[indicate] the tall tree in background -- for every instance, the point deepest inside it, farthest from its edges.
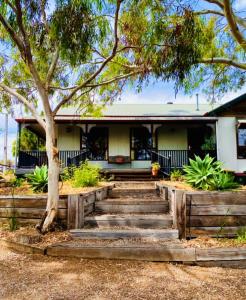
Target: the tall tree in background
(222, 65)
(81, 52)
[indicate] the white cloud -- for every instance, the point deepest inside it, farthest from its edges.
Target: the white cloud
(164, 96)
(240, 5)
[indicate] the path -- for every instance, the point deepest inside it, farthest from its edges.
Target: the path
(39, 277)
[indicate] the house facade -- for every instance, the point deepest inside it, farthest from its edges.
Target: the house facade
(132, 136)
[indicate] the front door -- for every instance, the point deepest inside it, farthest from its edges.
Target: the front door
(141, 143)
(97, 143)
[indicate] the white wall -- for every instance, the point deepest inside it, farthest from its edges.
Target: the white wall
(227, 144)
(68, 137)
(172, 138)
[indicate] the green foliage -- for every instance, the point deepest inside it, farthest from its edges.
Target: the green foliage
(86, 175)
(207, 174)
(29, 141)
(68, 173)
(155, 166)
(224, 181)
(209, 143)
(13, 223)
(73, 27)
(17, 182)
(39, 179)
(176, 175)
(241, 235)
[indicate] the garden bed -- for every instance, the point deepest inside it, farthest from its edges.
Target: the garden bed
(65, 188)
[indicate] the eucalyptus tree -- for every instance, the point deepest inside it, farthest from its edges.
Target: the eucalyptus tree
(222, 65)
(83, 53)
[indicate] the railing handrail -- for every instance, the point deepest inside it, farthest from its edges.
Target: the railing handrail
(159, 154)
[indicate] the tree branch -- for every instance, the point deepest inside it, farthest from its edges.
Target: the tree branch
(12, 34)
(91, 86)
(52, 67)
(225, 61)
(24, 101)
(233, 25)
(209, 11)
(217, 2)
(105, 62)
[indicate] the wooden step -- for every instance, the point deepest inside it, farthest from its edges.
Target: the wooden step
(132, 192)
(131, 206)
(135, 184)
(148, 252)
(131, 220)
(159, 234)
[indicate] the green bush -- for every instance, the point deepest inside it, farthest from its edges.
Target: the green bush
(225, 181)
(86, 175)
(241, 235)
(68, 173)
(176, 175)
(39, 179)
(17, 182)
(207, 174)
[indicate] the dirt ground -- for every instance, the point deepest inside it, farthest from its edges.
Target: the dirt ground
(39, 277)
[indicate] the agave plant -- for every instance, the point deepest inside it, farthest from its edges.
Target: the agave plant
(225, 181)
(200, 173)
(39, 179)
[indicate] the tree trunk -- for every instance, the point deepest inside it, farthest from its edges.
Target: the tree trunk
(53, 177)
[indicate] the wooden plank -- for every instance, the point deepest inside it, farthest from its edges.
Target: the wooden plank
(215, 221)
(128, 208)
(32, 213)
(88, 209)
(141, 221)
(220, 254)
(179, 212)
(24, 248)
(117, 234)
(237, 264)
(216, 198)
(212, 231)
(29, 203)
(145, 253)
(72, 215)
(27, 221)
(211, 210)
(81, 212)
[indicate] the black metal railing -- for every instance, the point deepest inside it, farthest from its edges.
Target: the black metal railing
(163, 160)
(76, 160)
(32, 158)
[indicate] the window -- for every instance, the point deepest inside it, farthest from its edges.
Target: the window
(141, 143)
(97, 143)
(241, 141)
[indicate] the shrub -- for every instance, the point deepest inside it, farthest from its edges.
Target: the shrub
(207, 174)
(241, 235)
(224, 181)
(176, 175)
(68, 173)
(17, 182)
(39, 179)
(86, 175)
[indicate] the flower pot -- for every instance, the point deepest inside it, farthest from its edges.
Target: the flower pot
(155, 172)
(119, 159)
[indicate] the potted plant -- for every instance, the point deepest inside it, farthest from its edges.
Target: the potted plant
(155, 169)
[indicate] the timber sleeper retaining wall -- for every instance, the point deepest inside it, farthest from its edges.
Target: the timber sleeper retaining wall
(29, 209)
(208, 257)
(196, 213)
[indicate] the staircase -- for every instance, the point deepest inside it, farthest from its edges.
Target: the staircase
(132, 210)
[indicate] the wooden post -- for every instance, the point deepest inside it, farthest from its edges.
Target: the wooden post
(179, 212)
(75, 213)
